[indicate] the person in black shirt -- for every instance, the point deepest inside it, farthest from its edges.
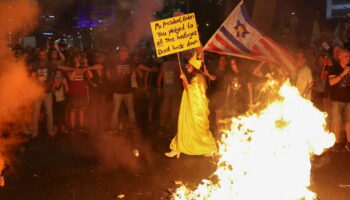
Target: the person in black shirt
(239, 94)
(339, 80)
(44, 74)
(219, 90)
(119, 73)
(97, 94)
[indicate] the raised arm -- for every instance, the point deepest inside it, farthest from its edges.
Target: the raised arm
(324, 72)
(184, 80)
(88, 73)
(63, 58)
(334, 79)
(210, 76)
(72, 74)
(66, 68)
(147, 69)
(257, 70)
(95, 67)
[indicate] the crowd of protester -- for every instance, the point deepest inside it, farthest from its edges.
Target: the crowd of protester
(124, 88)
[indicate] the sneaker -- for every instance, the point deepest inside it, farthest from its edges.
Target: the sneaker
(52, 133)
(71, 130)
(34, 135)
(64, 130)
(82, 130)
(28, 132)
(113, 131)
(347, 146)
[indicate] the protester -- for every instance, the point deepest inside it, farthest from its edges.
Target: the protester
(151, 88)
(59, 89)
(119, 73)
(44, 74)
(78, 93)
(56, 57)
(169, 90)
(239, 94)
(145, 87)
(339, 80)
(140, 89)
(219, 90)
(320, 76)
(304, 78)
(97, 95)
(193, 135)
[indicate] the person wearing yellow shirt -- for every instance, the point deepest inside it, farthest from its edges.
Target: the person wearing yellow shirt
(193, 136)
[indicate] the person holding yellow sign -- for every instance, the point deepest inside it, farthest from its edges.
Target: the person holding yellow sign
(193, 135)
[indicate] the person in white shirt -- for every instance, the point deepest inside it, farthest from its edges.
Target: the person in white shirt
(304, 76)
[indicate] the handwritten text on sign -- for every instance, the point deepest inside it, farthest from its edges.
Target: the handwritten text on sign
(175, 34)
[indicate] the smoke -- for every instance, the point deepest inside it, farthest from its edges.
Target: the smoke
(143, 14)
(128, 25)
(17, 89)
(132, 22)
(127, 151)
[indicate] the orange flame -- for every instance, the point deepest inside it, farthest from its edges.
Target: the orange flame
(267, 155)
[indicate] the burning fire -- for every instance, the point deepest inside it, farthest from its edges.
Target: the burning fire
(267, 155)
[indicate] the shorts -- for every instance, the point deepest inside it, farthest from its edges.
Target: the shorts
(340, 112)
(77, 102)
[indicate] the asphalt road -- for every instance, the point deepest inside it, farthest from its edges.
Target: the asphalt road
(102, 166)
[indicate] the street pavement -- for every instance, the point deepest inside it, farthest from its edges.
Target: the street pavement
(130, 165)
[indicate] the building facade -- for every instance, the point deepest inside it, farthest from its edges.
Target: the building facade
(337, 8)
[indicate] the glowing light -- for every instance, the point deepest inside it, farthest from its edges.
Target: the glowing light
(47, 33)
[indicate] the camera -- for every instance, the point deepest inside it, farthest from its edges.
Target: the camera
(51, 43)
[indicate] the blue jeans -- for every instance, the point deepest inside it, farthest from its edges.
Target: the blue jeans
(117, 102)
(340, 114)
(47, 100)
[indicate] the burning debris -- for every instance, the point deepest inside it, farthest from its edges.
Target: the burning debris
(2, 181)
(266, 155)
(136, 152)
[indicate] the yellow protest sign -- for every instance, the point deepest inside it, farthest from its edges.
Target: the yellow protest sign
(175, 34)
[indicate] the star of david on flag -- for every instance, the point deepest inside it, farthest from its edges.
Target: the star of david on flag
(240, 29)
(238, 36)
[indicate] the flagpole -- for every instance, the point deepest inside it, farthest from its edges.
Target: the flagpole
(178, 59)
(227, 18)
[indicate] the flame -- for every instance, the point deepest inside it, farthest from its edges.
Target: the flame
(267, 155)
